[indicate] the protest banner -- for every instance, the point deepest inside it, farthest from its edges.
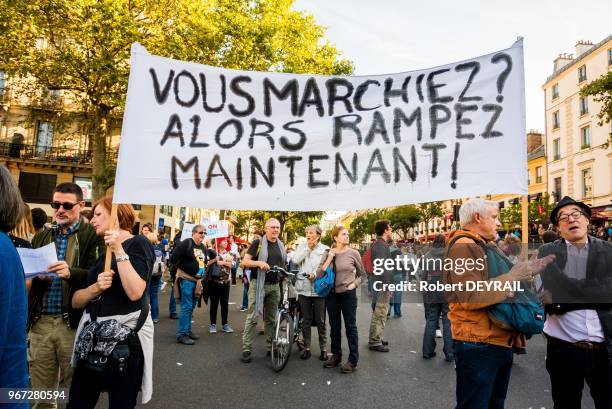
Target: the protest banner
(215, 229)
(187, 230)
(228, 139)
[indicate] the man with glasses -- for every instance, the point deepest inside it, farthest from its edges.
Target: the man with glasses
(264, 291)
(578, 297)
(52, 319)
(191, 259)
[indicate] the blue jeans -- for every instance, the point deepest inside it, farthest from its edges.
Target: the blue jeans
(172, 303)
(433, 311)
(483, 375)
(245, 297)
(188, 303)
(396, 300)
(153, 292)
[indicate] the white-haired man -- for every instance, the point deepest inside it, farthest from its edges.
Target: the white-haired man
(483, 350)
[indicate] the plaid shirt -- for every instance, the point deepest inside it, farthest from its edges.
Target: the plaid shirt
(52, 299)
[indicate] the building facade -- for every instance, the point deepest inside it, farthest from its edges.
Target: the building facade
(579, 156)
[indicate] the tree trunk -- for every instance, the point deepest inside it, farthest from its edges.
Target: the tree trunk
(100, 131)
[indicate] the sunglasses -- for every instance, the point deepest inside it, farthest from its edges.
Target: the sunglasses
(65, 205)
(201, 232)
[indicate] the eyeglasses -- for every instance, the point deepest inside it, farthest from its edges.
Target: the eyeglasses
(575, 215)
(65, 205)
(201, 232)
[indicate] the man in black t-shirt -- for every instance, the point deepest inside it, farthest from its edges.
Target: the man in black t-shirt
(190, 258)
(263, 254)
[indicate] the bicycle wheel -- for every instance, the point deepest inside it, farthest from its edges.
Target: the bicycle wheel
(298, 336)
(282, 341)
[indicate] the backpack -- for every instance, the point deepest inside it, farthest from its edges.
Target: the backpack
(158, 264)
(366, 260)
(324, 284)
(525, 313)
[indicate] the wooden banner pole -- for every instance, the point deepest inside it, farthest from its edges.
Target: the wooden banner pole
(112, 226)
(525, 217)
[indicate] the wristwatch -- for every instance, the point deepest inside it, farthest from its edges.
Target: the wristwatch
(125, 257)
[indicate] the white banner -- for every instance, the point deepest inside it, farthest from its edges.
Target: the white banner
(187, 231)
(227, 139)
(215, 229)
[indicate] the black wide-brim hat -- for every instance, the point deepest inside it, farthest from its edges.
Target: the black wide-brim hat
(568, 201)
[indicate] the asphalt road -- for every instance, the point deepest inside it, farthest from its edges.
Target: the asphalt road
(210, 374)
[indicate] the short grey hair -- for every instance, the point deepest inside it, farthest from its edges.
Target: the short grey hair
(12, 207)
(198, 227)
(314, 227)
(473, 206)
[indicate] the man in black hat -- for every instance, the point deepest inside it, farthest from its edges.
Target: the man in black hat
(578, 327)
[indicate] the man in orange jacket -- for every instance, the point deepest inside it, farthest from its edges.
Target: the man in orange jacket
(483, 350)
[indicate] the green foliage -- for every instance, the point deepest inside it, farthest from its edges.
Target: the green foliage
(327, 239)
(601, 90)
(403, 218)
(83, 46)
(512, 215)
(363, 224)
(429, 211)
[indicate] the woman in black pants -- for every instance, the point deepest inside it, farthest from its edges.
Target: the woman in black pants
(115, 297)
(342, 300)
(218, 282)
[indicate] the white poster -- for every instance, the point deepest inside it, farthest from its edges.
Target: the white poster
(227, 139)
(187, 231)
(215, 229)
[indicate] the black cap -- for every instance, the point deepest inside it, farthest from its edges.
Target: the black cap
(568, 201)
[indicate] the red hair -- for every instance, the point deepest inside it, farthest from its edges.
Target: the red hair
(125, 212)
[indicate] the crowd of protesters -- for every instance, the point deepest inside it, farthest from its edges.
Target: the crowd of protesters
(90, 328)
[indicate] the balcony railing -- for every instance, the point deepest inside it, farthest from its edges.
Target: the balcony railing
(45, 153)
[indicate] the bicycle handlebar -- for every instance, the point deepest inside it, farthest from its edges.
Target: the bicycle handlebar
(287, 273)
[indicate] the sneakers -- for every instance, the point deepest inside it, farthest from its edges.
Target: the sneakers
(155, 321)
(332, 362)
(243, 309)
(185, 340)
(438, 333)
(227, 328)
(246, 357)
(193, 336)
(212, 328)
(348, 367)
(174, 316)
(379, 348)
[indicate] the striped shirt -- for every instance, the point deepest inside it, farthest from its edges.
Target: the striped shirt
(52, 299)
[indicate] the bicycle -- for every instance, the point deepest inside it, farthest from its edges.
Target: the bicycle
(287, 325)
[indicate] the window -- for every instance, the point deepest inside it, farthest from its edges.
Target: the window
(556, 149)
(555, 120)
(36, 187)
(584, 106)
(528, 178)
(539, 174)
(2, 83)
(610, 56)
(167, 210)
(86, 185)
(585, 137)
(587, 183)
(44, 139)
(557, 191)
(555, 91)
(582, 73)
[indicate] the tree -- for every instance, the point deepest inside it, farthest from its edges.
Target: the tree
(511, 215)
(429, 211)
(601, 89)
(82, 47)
(403, 218)
(363, 224)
